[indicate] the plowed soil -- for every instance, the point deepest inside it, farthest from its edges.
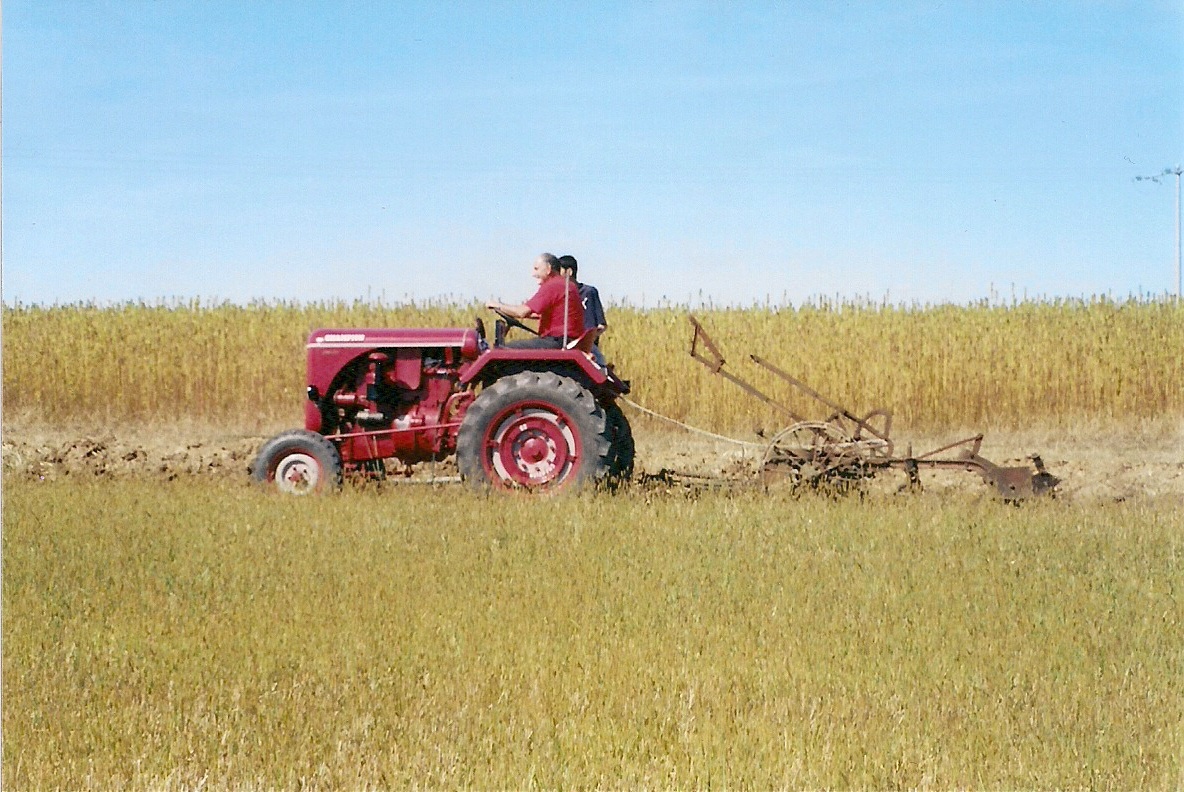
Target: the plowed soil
(1108, 463)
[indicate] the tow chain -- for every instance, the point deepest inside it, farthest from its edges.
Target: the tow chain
(689, 428)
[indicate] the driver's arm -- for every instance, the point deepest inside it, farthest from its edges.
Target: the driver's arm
(521, 311)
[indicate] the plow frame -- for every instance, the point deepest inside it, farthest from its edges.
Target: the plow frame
(846, 447)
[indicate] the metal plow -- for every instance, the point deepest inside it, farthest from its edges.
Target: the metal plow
(845, 448)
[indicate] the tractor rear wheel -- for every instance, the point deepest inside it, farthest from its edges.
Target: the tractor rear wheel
(534, 431)
(621, 447)
(298, 462)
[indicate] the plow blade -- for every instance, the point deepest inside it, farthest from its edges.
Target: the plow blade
(1015, 483)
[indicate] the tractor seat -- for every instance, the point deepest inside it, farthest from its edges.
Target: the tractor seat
(584, 343)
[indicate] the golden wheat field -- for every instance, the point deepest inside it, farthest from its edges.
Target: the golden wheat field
(945, 366)
(168, 626)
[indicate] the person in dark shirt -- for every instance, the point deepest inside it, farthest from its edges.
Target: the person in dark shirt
(557, 299)
(590, 302)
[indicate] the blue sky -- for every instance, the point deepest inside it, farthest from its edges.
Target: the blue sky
(684, 151)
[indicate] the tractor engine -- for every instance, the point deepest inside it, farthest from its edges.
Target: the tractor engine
(401, 403)
(404, 402)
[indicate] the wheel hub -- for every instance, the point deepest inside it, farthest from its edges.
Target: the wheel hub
(532, 447)
(297, 474)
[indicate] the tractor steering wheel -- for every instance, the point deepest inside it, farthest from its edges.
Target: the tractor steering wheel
(514, 322)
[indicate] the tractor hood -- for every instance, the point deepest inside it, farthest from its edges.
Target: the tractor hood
(373, 338)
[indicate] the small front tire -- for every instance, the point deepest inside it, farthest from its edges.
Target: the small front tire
(298, 462)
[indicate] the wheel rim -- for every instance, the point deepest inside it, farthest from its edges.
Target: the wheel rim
(533, 446)
(298, 474)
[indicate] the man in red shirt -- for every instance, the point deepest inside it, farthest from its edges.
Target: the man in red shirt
(557, 299)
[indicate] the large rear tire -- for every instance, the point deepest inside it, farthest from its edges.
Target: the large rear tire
(534, 431)
(621, 446)
(298, 462)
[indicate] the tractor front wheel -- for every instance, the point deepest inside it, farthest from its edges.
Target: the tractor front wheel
(534, 431)
(298, 462)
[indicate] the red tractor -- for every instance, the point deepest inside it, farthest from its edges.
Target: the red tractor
(530, 419)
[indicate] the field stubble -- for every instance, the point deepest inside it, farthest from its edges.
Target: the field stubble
(1098, 461)
(205, 634)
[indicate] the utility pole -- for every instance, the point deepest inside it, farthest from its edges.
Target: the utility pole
(1176, 171)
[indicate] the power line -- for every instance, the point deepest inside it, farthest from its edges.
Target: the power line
(1176, 171)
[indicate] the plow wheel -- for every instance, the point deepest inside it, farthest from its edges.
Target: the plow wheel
(813, 453)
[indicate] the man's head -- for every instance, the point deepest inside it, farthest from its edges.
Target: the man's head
(544, 267)
(569, 266)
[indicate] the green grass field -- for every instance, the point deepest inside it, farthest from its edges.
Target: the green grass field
(206, 635)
